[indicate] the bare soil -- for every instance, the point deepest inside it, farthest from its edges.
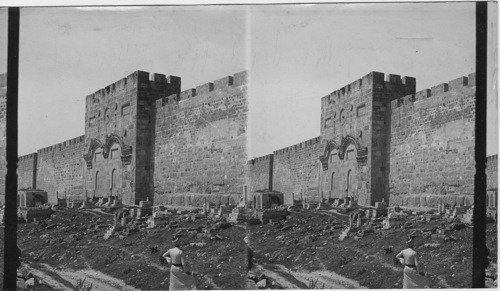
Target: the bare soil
(303, 252)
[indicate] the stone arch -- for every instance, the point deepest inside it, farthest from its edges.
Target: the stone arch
(110, 140)
(38, 200)
(325, 157)
(94, 145)
(126, 150)
(346, 141)
(274, 200)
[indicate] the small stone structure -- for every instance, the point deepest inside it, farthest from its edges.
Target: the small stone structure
(265, 199)
(31, 213)
(31, 198)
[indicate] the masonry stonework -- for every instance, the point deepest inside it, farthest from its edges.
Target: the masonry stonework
(355, 132)
(119, 136)
(296, 171)
(260, 175)
(432, 141)
(200, 140)
(60, 169)
(26, 171)
(379, 140)
(492, 173)
(382, 141)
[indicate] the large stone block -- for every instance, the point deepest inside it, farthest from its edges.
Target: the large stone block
(450, 200)
(414, 201)
(434, 200)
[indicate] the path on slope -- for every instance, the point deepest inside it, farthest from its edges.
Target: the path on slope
(300, 279)
(69, 279)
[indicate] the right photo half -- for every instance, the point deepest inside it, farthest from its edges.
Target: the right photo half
(361, 146)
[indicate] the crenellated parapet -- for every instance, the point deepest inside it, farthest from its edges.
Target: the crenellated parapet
(372, 80)
(27, 157)
(141, 79)
(260, 159)
(65, 144)
(296, 147)
(455, 84)
(238, 79)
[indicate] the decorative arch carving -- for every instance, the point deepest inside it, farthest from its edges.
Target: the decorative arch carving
(330, 145)
(362, 152)
(94, 145)
(346, 141)
(109, 142)
(111, 139)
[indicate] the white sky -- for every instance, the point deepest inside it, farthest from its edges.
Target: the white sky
(295, 53)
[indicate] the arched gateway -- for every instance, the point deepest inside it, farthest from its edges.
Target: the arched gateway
(342, 169)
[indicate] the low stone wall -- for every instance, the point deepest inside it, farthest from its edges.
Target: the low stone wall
(31, 213)
(196, 199)
(431, 201)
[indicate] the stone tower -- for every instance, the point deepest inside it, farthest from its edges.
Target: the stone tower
(355, 133)
(119, 136)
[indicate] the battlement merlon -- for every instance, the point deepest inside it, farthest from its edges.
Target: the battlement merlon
(492, 158)
(455, 84)
(370, 80)
(303, 144)
(62, 145)
(238, 79)
(260, 159)
(136, 78)
(27, 157)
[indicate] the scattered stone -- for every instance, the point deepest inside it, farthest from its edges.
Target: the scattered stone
(432, 245)
(199, 244)
(30, 282)
(262, 284)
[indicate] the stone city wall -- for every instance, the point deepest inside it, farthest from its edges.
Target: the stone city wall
(60, 170)
(111, 111)
(119, 132)
(383, 93)
(354, 134)
(197, 199)
(200, 141)
(432, 143)
(26, 171)
(492, 173)
(296, 171)
(260, 173)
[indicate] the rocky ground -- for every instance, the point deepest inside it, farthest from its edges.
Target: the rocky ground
(304, 251)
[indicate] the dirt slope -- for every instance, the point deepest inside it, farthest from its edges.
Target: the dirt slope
(302, 252)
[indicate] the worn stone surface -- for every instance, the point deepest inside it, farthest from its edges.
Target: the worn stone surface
(200, 141)
(60, 169)
(355, 134)
(260, 173)
(26, 171)
(432, 143)
(143, 135)
(119, 136)
(492, 173)
(296, 172)
(382, 140)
